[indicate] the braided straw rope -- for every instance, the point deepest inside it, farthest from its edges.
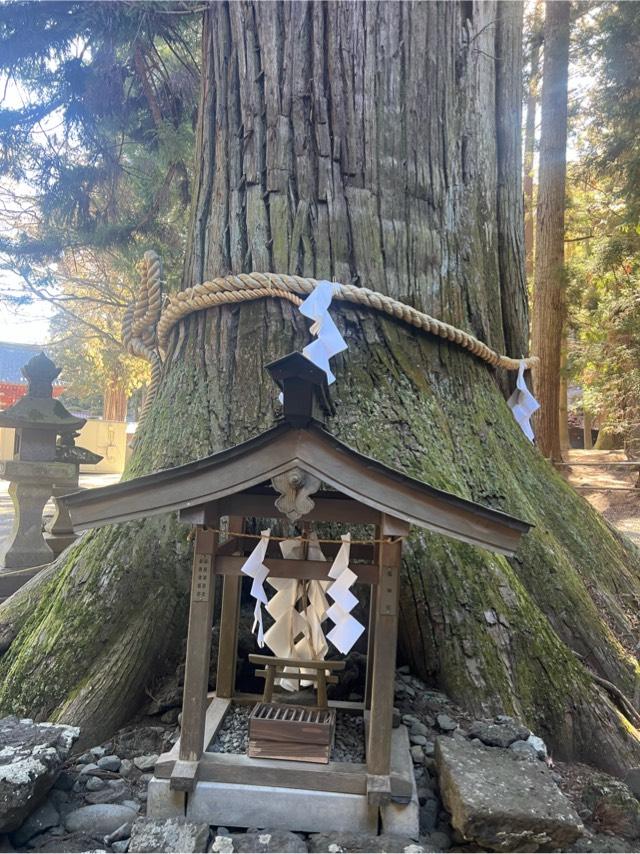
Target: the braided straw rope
(139, 325)
(147, 325)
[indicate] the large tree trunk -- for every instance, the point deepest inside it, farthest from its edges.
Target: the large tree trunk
(360, 141)
(530, 135)
(549, 291)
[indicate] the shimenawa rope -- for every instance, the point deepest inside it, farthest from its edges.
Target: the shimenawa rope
(147, 324)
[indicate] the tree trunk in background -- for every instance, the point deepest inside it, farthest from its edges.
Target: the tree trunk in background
(586, 431)
(549, 290)
(530, 135)
(360, 141)
(114, 407)
(563, 408)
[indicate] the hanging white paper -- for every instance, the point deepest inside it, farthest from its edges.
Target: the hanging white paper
(523, 404)
(297, 634)
(254, 567)
(329, 341)
(347, 629)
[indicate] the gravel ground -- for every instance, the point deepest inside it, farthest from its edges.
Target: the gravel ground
(348, 746)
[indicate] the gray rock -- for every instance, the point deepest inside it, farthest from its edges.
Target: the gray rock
(429, 748)
(429, 816)
(127, 768)
(439, 840)
(614, 804)
(42, 819)
(524, 749)
(146, 762)
(170, 717)
(446, 723)
(501, 803)
(164, 835)
(54, 843)
(498, 735)
(114, 791)
(602, 843)
(417, 754)
(363, 842)
(222, 844)
(122, 832)
(121, 846)
(418, 728)
(97, 752)
(85, 758)
(632, 780)
(539, 745)
(109, 763)
(134, 805)
(94, 784)
(98, 819)
(90, 768)
(31, 756)
(64, 782)
(418, 739)
(264, 841)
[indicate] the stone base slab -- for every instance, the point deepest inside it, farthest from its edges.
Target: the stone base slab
(235, 805)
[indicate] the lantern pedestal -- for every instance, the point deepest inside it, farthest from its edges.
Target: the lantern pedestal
(30, 487)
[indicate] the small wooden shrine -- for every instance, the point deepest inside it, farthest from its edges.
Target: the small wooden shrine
(296, 471)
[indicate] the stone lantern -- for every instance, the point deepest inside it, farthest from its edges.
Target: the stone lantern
(36, 468)
(59, 530)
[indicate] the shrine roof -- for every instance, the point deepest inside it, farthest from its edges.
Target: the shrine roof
(315, 450)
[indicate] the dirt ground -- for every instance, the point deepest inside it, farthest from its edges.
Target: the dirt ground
(610, 488)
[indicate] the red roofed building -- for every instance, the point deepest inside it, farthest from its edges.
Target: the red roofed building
(13, 385)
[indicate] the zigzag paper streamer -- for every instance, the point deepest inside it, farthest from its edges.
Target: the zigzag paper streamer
(523, 404)
(347, 629)
(329, 341)
(254, 567)
(289, 622)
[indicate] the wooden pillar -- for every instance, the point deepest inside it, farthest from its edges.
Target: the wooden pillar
(371, 628)
(229, 617)
(382, 668)
(194, 704)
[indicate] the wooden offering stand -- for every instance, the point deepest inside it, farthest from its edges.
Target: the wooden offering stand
(283, 731)
(299, 472)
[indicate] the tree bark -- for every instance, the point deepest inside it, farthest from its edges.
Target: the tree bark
(549, 290)
(563, 405)
(360, 141)
(530, 136)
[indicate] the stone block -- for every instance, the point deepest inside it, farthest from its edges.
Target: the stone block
(402, 819)
(168, 835)
(501, 802)
(163, 801)
(235, 805)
